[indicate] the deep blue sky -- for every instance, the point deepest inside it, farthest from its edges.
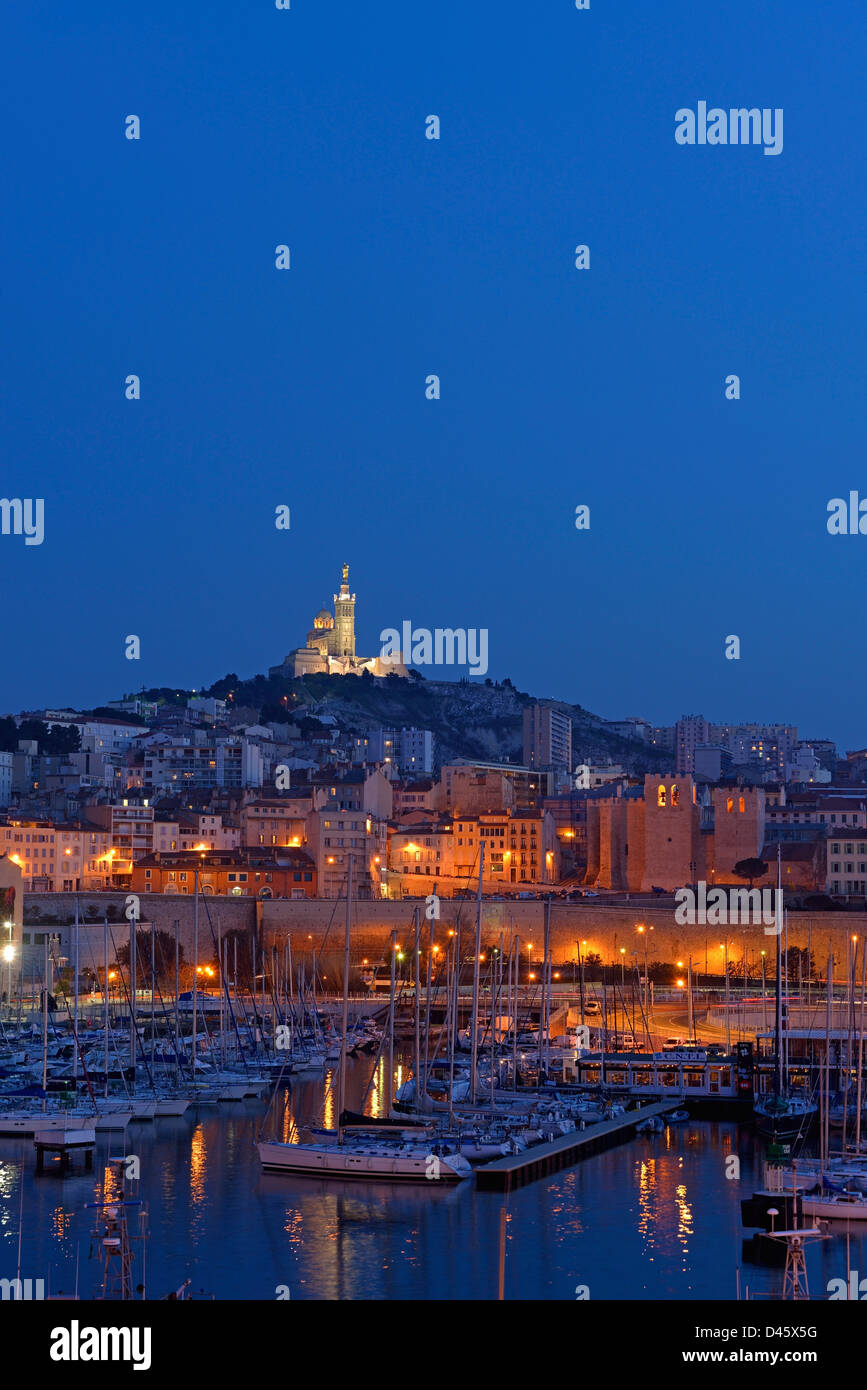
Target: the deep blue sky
(410, 257)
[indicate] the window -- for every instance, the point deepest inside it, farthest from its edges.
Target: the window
(660, 796)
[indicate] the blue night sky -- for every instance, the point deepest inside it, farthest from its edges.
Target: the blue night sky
(410, 257)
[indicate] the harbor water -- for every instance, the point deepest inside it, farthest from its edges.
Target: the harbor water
(655, 1217)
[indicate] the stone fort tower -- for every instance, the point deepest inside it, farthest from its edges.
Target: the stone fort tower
(674, 845)
(738, 829)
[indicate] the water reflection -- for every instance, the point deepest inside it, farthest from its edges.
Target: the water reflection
(654, 1218)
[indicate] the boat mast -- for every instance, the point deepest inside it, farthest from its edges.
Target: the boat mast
(341, 1089)
(860, 1049)
(545, 1010)
(389, 1081)
(416, 951)
(452, 1016)
(430, 956)
(105, 994)
(45, 1025)
(153, 1000)
(177, 1000)
(825, 1133)
(196, 972)
(133, 952)
(778, 1060)
(75, 992)
(517, 956)
(785, 1004)
(475, 1018)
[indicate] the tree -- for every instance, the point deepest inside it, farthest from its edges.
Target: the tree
(62, 740)
(750, 868)
(33, 729)
(58, 739)
(164, 956)
(797, 962)
(272, 713)
(9, 734)
(106, 712)
(310, 727)
(240, 940)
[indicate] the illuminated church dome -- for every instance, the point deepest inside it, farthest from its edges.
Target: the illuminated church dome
(331, 644)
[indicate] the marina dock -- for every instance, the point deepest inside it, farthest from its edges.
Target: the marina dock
(64, 1143)
(515, 1170)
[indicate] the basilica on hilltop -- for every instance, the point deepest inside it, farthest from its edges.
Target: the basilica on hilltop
(331, 645)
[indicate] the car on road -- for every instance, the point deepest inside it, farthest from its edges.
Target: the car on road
(592, 1007)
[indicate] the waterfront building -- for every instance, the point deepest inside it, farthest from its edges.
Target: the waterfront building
(239, 873)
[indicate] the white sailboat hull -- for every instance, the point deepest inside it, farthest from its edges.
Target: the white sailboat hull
(172, 1106)
(378, 1164)
(836, 1207)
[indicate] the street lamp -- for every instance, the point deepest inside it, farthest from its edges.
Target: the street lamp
(644, 934)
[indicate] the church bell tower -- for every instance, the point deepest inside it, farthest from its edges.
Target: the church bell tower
(343, 636)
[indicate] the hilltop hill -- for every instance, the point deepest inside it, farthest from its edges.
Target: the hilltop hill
(470, 718)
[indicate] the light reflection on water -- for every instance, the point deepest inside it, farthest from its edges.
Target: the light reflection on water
(652, 1219)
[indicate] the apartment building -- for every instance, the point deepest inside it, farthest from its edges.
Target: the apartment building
(425, 851)
(409, 752)
(847, 862)
(130, 828)
(200, 760)
(336, 836)
(278, 820)
(6, 761)
(58, 858)
(241, 873)
(547, 738)
(520, 847)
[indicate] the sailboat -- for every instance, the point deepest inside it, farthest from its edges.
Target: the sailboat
(387, 1161)
(784, 1114)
